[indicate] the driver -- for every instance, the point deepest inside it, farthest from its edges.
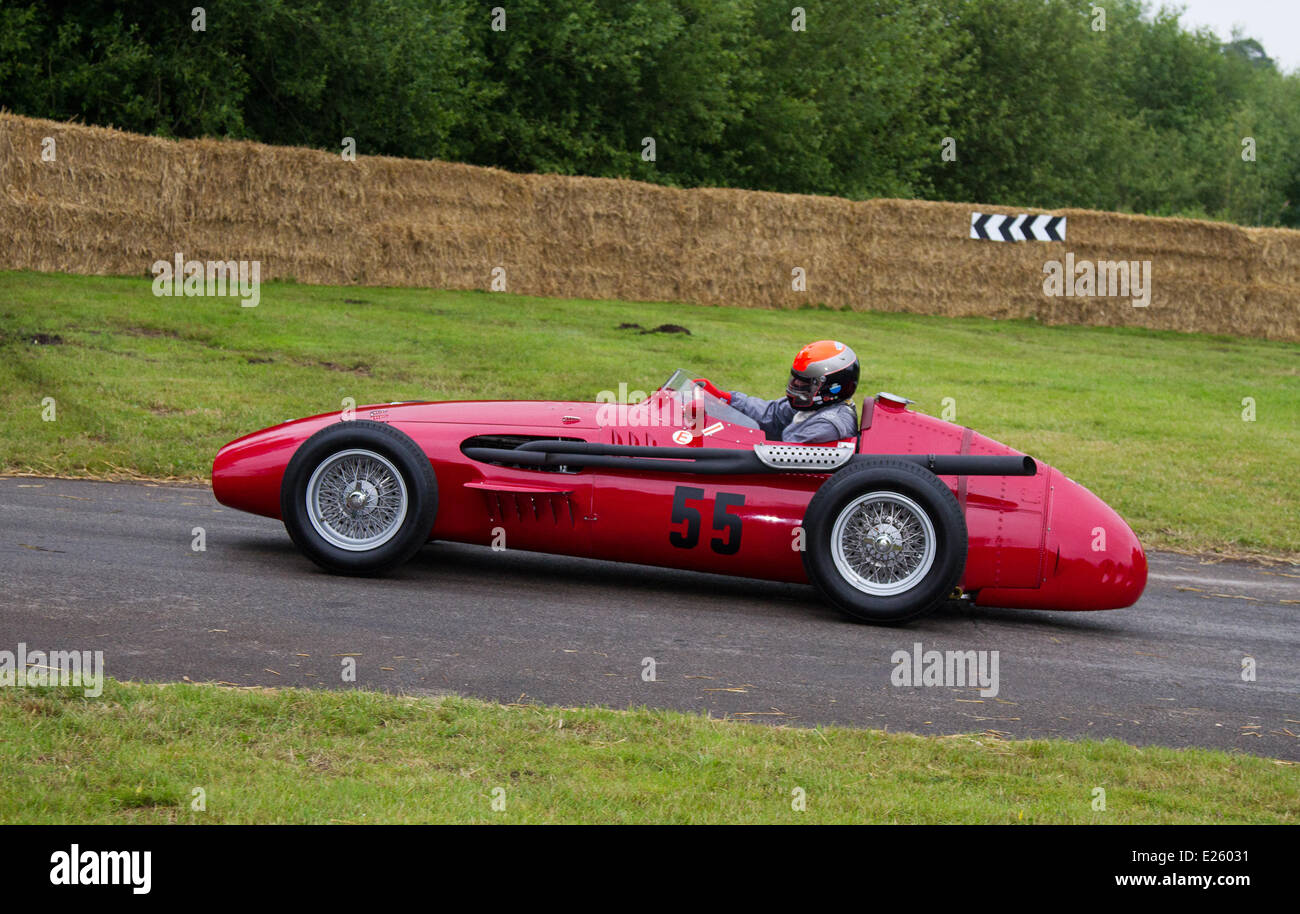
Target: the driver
(816, 407)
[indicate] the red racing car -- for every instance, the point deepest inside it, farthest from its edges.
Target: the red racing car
(887, 525)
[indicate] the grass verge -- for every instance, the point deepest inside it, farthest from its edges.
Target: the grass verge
(146, 386)
(137, 753)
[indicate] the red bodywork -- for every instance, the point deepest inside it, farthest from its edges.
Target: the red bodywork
(1040, 542)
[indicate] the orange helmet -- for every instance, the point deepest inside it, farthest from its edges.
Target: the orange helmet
(823, 373)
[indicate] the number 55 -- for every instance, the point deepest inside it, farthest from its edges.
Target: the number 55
(723, 522)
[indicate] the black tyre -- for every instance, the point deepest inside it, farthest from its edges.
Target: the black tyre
(359, 497)
(885, 540)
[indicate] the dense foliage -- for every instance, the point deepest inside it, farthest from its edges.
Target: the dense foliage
(1043, 107)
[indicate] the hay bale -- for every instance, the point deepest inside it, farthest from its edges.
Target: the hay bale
(114, 202)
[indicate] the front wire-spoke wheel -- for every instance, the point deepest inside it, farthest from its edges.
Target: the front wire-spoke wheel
(359, 497)
(356, 500)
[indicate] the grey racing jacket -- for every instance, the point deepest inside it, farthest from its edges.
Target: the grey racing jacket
(782, 422)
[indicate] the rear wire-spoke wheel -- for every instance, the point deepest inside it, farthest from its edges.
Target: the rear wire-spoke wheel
(359, 497)
(886, 540)
(883, 543)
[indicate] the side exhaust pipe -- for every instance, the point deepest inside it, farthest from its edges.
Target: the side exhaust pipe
(720, 461)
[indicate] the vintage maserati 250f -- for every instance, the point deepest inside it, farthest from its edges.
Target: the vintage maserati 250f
(887, 525)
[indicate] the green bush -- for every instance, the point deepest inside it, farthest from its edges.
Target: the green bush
(1044, 108)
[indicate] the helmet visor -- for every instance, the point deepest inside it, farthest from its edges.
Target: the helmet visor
(800, 390)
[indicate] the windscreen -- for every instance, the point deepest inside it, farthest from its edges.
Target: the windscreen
(681, 385)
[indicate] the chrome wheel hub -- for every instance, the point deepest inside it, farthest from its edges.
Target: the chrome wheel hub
(356, 500)
(362, 499)
(883, 543)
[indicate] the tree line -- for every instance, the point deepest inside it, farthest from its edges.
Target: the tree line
(1046, 103)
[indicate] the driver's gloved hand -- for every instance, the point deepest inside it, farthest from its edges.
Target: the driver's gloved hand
(708, 387)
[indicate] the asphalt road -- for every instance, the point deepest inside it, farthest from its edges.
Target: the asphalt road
(110, 566)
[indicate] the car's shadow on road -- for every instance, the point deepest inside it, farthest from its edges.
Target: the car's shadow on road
(531, 569)
(965, 615)
(771, 598)
(454, 564)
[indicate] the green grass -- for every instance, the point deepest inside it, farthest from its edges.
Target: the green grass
(137, 753)
(1151, 421)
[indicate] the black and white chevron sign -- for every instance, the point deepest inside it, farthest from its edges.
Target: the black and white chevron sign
(990, 227)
